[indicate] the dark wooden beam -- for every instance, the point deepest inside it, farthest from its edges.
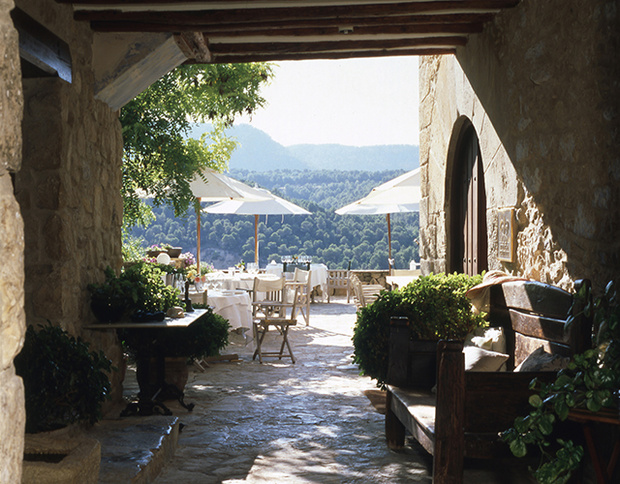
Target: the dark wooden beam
(340, 12)
(240, 30)
(41, 47)
(268, 56)
(307, 47)
(194, 46)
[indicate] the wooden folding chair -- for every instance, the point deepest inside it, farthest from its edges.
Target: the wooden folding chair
(302, 281)
(272, 311)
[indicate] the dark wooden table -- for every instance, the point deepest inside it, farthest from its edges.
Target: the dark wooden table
(150, 398)
(587, 420)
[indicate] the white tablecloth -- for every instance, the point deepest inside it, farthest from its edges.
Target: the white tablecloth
(318, 276)
(241, 280)
(236, 306)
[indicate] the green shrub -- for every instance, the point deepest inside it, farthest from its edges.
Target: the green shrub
(64, 382)
(204, 337)
(139, 288)
(437, 308)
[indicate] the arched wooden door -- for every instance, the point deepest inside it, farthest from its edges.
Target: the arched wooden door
(468, 227)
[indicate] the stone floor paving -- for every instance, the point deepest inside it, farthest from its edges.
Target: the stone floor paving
(307, 422)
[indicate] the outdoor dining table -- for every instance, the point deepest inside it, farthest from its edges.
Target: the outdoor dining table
(149, 400)
(235, 305)
(318, 274)
(238, 280)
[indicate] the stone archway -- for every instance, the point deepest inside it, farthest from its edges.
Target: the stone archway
(467, 206)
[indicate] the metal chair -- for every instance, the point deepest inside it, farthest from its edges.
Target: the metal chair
(272, 311)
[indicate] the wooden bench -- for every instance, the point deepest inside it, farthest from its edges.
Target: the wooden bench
(469, 409)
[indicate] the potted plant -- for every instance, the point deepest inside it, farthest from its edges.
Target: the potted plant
(589, 385)
(139, 291)
(64, 381)
(109, 300)
(435, 305)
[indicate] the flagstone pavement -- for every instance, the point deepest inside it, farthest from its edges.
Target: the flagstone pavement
(307, 422)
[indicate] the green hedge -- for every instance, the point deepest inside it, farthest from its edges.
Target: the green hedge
(437, 308)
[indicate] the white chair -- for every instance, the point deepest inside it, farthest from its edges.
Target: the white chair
(272, 310)
(338, 279)
(303, 283)
(364, 293)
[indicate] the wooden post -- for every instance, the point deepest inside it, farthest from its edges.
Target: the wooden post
(256, 239)
(198, 237)
(398, 354)
(449, 414)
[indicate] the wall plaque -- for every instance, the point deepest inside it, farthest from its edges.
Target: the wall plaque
(506, 234)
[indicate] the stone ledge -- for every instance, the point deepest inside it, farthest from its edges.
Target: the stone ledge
(80, 466)
(135, 449)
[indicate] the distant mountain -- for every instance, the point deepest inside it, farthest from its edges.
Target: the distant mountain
(364, 158)
(258, 152)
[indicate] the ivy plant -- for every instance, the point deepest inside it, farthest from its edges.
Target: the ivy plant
(590, 382)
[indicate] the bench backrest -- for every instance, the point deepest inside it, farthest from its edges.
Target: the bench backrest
(534, 314)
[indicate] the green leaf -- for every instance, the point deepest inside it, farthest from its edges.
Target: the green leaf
(535, 401)
(518, 448)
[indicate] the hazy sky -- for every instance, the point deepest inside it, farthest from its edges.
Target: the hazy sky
(357, 102)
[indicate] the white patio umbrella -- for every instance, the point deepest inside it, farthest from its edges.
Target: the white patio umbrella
(211, 186)
(401, 194)
(269, 205)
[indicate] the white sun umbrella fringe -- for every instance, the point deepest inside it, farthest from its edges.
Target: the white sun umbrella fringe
(399, 195)
(211, 186)
(269, 205)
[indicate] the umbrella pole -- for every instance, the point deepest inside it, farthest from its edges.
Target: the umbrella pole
(387, 217)
(198, 237)
(256, 239)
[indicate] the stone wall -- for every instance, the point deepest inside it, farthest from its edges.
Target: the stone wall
(539, 85)
(12, 319)
(68, 187)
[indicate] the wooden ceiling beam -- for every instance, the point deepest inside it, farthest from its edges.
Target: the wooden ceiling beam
(329, 46)
(340, 12)
(269, 56)
(277, 27)
(309, 32)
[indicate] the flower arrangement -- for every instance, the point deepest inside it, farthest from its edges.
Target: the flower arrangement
(188, 259)
(241, 265)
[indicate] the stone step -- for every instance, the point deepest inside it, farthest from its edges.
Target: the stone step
(135, 449)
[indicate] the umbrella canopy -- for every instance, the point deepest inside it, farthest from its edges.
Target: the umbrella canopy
(211, 186)
(401, 194)
(269, 205)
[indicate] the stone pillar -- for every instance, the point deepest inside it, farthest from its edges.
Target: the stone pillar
(12, 319)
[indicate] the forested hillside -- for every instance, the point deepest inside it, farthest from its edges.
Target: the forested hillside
(329, 238)
(258, 152)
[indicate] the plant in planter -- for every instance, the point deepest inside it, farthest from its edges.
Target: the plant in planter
(437, 308)
(109, 300)
(590, 382)
(139, 290)
(64, 381)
